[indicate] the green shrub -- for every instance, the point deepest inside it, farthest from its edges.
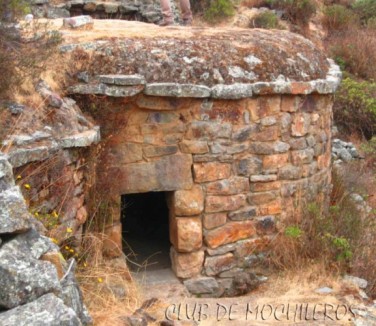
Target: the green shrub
(366, 9)
(355, 107)
(296, 11)
(10, 10)
(267, 20)
(337, 17)
(219, 10)
(293, 231)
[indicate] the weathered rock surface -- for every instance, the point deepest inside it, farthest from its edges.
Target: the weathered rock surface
(122, 80)
(6, 173)
(186, 233)
(187, 265)
(171, 172)
(344, 151)
(30, 245)
(29, 280)
(48, 310)
(217, 264)
(359, 282)
(82, 139)
(24, 280)
(72, 295)
(14, 217)
(202, 285)
(230, 232)
(189, 202)
(82, 22)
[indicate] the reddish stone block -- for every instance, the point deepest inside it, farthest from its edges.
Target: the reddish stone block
(266, 134)
(290, 103)
(186, 265)
(81, 215)
(271, 208)
(154, 151)
(301, 88)
(230, 232)
(232, 186)
(265, 106)
(112, 241)
(265, 186)
(300, 124)
(186, 233)
(212, 221)
(215, 204)
(251, 246)
(188, 202)
(194, 147)
(204, 172)
(274, 161)
(300, 157)
(261, 197)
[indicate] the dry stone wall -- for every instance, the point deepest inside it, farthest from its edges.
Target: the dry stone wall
(38, 286)
(234, 170)
(49, 165)
(235, 128)
(146, 11)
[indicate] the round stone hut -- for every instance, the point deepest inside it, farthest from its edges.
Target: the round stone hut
(211, 139)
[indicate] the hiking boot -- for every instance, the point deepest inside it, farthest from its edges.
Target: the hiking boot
(166, 23)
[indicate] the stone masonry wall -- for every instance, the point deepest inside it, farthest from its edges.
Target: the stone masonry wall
(146, 11)
(234, 170)
(54, 191)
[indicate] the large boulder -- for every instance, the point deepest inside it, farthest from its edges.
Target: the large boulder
(24, 280)
(30, 244)
(47, 310)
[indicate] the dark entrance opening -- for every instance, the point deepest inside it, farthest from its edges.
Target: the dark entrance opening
(145, 230)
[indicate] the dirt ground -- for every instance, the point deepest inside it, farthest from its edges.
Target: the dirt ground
(285, 299)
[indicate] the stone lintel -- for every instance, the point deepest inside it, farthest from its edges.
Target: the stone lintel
(168, 173)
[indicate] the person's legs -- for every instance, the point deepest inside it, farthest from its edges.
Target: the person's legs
(186, 10)
(166, 12)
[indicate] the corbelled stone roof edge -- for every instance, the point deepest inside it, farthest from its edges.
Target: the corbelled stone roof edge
(117, 86)
(33, 151)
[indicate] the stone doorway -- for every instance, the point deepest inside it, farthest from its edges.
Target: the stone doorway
(145, 230)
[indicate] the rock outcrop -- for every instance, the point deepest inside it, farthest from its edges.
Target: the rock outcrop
(32, 292)
(145, 11)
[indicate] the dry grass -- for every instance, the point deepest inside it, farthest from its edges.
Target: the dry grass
(254, 3)
(340, 240)
(300, 283)
(355, 49)
(109, 291)
(346, 3)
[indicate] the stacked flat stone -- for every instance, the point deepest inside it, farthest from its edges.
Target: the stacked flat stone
(343, 151)
(240, 148)
(53, 156)
(32, 290)
(149, 11)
